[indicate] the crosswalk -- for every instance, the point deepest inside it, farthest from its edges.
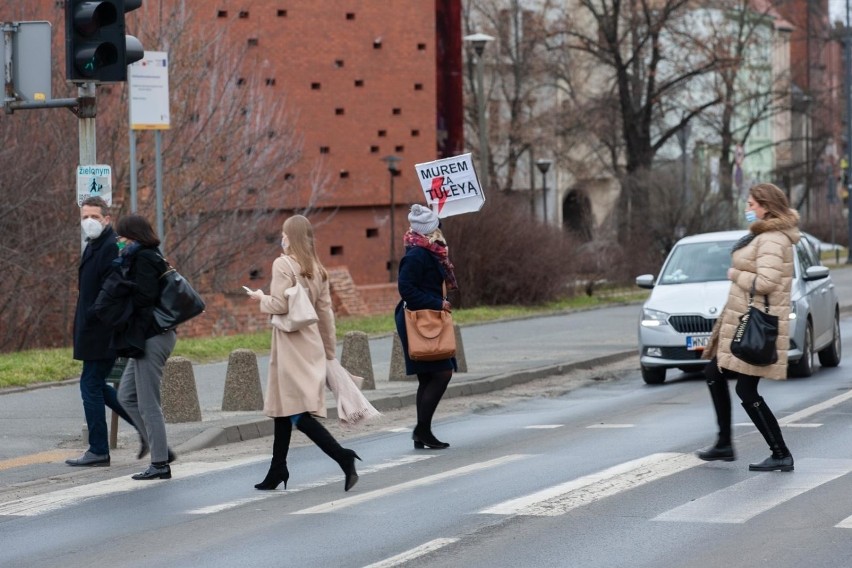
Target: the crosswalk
(738, 502)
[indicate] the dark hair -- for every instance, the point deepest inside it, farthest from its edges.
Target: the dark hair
(137, 228)
(95, 201)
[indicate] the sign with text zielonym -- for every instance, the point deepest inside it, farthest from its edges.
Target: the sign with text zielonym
(450, 185)
(94, 181)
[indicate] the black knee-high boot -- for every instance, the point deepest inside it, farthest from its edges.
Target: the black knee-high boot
(781, 458)
(344, 457)
(723, 450)
(278, 472)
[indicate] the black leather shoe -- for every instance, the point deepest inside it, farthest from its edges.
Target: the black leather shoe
(424, 438)
(773, 463)
(88, 459)
(155, 472)
(717, 453)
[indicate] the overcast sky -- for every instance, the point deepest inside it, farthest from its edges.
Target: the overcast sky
(837, 9)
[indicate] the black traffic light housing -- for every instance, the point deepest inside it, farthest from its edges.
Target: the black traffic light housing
(96, 46)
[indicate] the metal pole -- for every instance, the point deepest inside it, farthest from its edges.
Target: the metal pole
(392, 230)
(847, 68)
(133, 172)
(544, 194)
(158, 142)
(483, 134)
(86, 124)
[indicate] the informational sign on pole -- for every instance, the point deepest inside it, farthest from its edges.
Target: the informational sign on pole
(148, 81)
(94, 181)
(451, 186)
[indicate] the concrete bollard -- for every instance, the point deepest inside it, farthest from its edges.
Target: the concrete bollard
(397, 362)
(180, 396)
(356, 358)
(242, 382)
(461, 360)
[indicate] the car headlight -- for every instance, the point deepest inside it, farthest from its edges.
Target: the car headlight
(654, 318)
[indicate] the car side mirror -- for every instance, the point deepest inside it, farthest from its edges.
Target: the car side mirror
(645, 281)
(816, 272)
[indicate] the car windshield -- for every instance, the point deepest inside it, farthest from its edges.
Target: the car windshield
(698, 262)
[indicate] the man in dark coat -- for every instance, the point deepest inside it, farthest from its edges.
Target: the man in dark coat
(91, 337)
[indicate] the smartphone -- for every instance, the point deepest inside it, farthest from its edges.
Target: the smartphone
(247, 289)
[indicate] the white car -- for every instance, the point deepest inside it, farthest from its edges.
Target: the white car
(691, 291)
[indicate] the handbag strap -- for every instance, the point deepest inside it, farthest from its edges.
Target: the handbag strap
(751, 297)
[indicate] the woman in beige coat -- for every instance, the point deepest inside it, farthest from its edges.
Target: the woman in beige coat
(763, 258)
(295, 391)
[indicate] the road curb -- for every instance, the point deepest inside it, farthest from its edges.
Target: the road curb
(258, 428)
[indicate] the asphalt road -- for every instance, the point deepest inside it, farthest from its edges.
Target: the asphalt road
(591, 471)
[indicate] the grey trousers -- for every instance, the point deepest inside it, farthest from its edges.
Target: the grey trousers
(139, 393)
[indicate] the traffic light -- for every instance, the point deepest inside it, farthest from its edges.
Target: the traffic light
(96, 47)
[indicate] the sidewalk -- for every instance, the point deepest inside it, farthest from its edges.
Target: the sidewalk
(498, 354)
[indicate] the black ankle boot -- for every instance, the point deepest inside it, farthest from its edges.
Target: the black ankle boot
(344, 457)
(278, 472)
(424, 438)
(781, 458)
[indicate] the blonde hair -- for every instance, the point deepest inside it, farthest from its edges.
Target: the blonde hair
(771, 198)
(300, 237)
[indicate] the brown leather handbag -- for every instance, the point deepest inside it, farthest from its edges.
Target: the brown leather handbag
(431, 336)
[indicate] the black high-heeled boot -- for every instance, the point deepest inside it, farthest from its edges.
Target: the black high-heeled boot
(424, 438)
(723, 449)
(781, 458)
(278, 472)
(344, 457)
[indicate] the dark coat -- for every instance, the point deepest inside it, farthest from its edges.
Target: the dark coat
(144, 269)
(91, 337)
(420, 285)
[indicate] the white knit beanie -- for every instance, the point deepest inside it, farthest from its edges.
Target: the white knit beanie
(423, 220)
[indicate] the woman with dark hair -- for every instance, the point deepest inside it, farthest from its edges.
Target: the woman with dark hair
(140, 339)
(762, 261)
(424, 272)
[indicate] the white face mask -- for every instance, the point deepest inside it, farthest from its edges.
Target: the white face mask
(92, 228)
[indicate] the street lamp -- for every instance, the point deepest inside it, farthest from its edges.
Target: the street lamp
(478, 41)
(543, 166)
(392, 161)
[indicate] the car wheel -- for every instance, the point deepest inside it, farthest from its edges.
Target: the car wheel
(804, 367)
(654, 375)
(830, 356)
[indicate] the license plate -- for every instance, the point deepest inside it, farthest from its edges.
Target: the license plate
(697, 343)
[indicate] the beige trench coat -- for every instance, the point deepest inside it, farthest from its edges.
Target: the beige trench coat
(297, 362)
(768, 262)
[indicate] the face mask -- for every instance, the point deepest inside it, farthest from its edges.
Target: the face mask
(750, 216)
(121, 245)
(284, 243)
(92, 228)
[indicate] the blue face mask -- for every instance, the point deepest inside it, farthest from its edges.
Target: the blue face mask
(750, 216)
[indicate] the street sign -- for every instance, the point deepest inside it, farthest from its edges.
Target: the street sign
(31, 61)
(94, 181)
(148, 80)
(450, 185)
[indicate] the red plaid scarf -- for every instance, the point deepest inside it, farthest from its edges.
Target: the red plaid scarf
(439, 250)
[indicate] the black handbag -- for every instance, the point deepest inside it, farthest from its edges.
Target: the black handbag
(755, 336)
(178, 302)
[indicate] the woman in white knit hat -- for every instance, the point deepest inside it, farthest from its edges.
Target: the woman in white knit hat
(423, 271)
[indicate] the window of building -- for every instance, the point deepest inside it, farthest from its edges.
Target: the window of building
(315, 86)
(359, 82)
(282, 13)
(399, 149)
(324, 149)
(222, 14)
(338, 63)
(421, 47)
(415, 133)
(382, 133)
(253, 41)
(374, 149)
(255, 274)
(377, 43)
(344, 174)
(336, 250)
(372, 233)
(270, 81)
(397, 111)
(350, 15)
(418, 86)
(244, 14)
(339, 111)
(288, 176)
(241, 81)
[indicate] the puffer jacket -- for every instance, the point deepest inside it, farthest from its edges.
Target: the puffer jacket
(767, 261)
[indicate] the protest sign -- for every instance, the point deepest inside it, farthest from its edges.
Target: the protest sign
(450, 185)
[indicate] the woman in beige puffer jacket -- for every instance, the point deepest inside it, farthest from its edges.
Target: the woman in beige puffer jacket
(763, 258)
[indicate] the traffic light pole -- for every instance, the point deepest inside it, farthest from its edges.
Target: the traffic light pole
(86, 112)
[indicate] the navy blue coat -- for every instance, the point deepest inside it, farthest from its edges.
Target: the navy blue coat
(420, 285)
(145, 268)
(91, 337)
